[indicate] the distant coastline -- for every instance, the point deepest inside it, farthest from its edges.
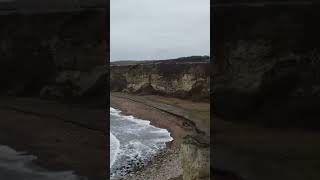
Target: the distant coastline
(180, 59)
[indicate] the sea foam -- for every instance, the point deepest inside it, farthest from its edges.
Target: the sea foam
(138, 141)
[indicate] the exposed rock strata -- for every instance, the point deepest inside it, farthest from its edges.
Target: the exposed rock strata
(195, 159)
(182, 78)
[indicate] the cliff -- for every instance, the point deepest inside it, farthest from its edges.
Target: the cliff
(183, 77)
(266, 63)
(195, 158)
(53, 54)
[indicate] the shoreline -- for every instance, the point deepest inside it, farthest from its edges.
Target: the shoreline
(177, 126)
(166, 164)
(168, 144)
(160, 154)
(158, 158)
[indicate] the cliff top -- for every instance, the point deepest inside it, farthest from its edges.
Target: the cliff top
(189, 59)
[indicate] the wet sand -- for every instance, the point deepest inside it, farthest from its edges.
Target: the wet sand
(62, 137)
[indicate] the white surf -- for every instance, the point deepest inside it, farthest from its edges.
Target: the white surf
(133, 141)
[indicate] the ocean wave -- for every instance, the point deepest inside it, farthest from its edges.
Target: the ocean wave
(139, 141)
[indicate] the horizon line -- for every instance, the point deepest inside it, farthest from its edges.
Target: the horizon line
(177, 57)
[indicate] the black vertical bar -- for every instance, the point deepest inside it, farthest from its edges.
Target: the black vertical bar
(108, 85)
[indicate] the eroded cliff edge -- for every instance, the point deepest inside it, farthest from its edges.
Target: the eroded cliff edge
(183, 77)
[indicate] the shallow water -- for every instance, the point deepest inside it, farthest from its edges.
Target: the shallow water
(16, 165)
(133, 142)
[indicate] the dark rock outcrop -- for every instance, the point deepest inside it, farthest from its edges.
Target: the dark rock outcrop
(266, 64)
(182, 78)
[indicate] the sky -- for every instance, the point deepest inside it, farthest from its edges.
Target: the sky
(159, 29)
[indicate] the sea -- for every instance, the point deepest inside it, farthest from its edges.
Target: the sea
(16, 165)
(133, 143)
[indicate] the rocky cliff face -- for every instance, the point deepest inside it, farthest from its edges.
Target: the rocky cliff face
(55, 55)
(180, 78)
(195, 158)
(266, 64)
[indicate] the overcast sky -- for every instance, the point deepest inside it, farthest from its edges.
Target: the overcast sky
(159, 29)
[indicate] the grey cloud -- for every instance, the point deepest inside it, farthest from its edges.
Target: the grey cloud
(159, 29)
